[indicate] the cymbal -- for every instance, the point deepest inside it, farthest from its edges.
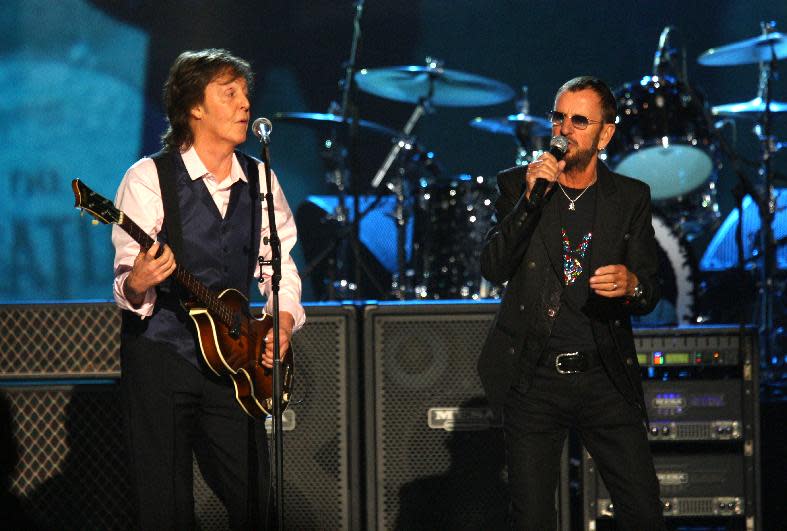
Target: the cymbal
(508, 125)
(317, 119)
(450, 88)
(754, 50)
(748, 109)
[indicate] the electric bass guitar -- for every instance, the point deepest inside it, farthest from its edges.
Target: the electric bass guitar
(232, 341)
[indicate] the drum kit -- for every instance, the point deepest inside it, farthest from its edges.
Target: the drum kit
(667, 136)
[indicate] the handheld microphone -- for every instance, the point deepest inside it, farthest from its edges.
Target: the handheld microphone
(262, 128)
(557, 148)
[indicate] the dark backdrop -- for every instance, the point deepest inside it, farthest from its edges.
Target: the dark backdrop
(82, 79)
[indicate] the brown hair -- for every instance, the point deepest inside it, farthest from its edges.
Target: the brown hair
(185, 87)
(609, 108)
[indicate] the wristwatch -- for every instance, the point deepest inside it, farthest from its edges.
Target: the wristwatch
(638, 291)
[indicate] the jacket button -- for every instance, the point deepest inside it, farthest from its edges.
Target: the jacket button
(629, 361)
(511, 350)
(617, 322)
(531, 265)
(551, 312)
(521, 307)
(626, 236)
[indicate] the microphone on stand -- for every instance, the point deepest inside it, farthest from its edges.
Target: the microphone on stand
(557, 148)
(262, 127)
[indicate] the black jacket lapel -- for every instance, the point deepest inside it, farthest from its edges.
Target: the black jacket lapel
(607, 220)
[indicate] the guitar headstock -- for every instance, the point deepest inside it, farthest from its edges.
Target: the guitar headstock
(99, 207)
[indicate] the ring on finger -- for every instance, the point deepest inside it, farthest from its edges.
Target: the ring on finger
(614, 286)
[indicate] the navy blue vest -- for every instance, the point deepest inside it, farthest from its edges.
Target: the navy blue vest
(221, 253)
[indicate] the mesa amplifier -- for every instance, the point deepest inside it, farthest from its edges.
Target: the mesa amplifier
(706, 484)
(435, 456)
(692, 410)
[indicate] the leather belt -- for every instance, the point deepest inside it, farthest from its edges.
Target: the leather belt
(570, 362)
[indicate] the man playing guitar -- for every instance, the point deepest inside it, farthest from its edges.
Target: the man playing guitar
(199, 199)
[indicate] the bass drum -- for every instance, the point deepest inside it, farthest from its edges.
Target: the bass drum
(451, 222)
(677, 270)
(663, 138)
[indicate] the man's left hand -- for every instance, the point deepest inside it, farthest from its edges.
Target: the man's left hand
(613, 281)
(286, 323)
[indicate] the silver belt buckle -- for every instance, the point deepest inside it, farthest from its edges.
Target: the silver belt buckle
(565, 355)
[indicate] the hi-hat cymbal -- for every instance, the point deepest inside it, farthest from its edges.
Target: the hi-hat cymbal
(748, 109)
(509, 125)
(316, 119)
(754, 50)
(449, 88)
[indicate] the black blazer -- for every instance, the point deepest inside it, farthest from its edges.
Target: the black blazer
(525, 249)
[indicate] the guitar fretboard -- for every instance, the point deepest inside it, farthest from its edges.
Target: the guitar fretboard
(219, 309)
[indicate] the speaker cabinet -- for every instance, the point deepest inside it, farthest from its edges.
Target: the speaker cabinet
(435, 457)
(59, 340)
(62, 444)
(67, 467)
(321, 425)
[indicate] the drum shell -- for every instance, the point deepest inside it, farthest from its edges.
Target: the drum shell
(662, 137)
(451, 222)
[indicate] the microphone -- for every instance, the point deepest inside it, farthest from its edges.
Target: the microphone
(262, 128)
(557, 148)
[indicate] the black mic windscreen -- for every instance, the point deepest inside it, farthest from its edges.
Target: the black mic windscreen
(558, 146)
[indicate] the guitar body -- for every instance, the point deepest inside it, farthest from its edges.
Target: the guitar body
(237, 352)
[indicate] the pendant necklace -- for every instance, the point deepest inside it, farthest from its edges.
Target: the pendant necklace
(571, 202)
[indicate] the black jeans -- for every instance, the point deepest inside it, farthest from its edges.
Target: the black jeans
(172, 409)
(536, 425)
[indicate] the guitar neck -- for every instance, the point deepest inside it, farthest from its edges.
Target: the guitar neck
(204, 295)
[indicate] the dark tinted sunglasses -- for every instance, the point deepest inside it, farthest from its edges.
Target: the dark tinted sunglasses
(577, 120)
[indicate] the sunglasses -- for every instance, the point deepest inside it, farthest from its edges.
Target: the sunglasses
(577, 120)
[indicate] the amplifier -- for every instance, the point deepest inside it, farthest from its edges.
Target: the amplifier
(715, 345)
(692, 410)
(691, 485)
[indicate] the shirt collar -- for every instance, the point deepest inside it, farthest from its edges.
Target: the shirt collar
(197, 169)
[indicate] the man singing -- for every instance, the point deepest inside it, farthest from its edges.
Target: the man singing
(560, 353)
(201, 193)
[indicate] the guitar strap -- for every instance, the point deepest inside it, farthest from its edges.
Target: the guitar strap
(167, 178)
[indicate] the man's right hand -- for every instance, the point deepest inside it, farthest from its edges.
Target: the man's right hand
(545, 167)
(149, 270)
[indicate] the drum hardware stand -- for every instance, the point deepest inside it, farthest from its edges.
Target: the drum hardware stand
(399, 284)
(526, 147)
(767, 205)
(764, 198)
(347, 240)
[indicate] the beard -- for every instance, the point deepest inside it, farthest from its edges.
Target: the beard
(579, 160)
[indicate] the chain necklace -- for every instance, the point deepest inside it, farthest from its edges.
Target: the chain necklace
(571, 202)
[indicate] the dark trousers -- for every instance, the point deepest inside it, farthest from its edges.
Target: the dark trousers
(172, 409)
(536, 425)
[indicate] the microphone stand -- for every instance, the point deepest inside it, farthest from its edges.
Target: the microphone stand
(275, 263)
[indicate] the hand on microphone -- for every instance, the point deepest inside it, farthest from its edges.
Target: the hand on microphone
(542, 174)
